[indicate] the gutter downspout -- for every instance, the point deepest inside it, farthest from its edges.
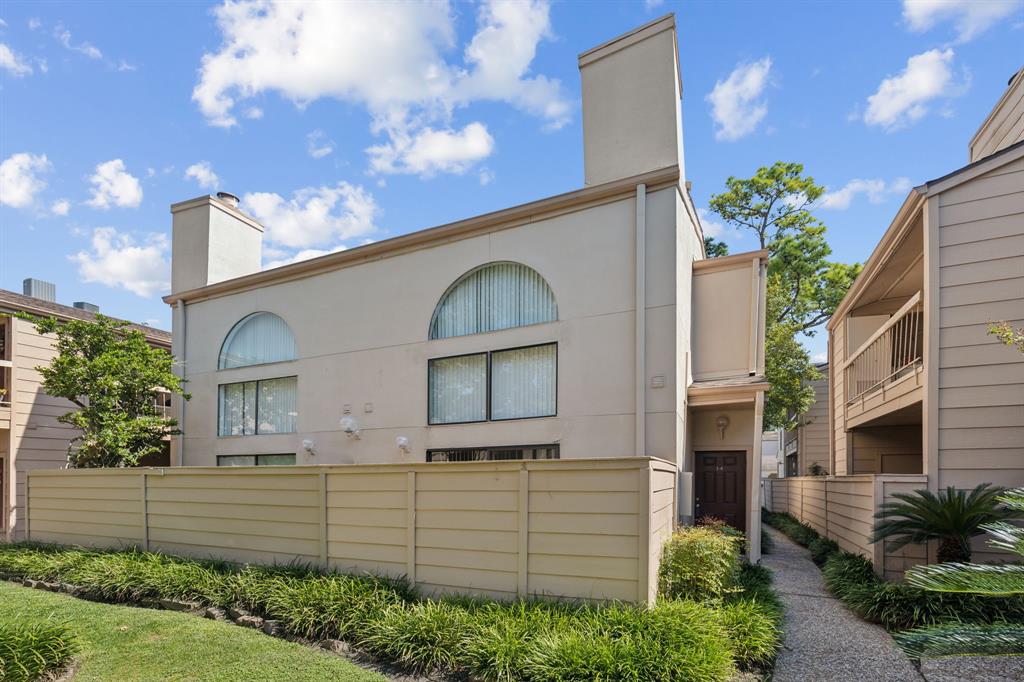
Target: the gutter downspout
(640, 323)
(182, 321)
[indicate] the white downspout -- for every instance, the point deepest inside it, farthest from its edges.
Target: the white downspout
(640, 339)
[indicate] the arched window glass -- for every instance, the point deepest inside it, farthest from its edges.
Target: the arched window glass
(495, 296)
(256, 340)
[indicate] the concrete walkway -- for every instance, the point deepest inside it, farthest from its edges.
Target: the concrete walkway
(823, 639)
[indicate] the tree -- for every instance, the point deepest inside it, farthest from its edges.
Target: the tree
(111, 374)
(804, 287)
(952, 517)
(1005, 332)
(715, 248)
(1002, 580)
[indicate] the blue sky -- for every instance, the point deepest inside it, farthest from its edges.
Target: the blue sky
(335, 134)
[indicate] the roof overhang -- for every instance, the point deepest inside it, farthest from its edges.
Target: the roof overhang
(489, 222)
(710, 393)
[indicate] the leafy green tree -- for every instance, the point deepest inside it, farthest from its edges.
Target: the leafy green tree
(715, 248)
(804, 287)
(111, 374)
(1005, 332)
(1002, 580)
(952, 517)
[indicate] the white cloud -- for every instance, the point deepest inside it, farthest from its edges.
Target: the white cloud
(736, 104)
(903, 99)
(88, 49)
(653, 4)
(202, 173)
(60, 207)
(112, 185)
(117, 260)
(125, 66)
(711, 227)
(254, 113)
(13, 62)
(314, 216)
(970, 17)
(818, 358)
(305, 254)
(21, 178)
(430, 151)
(875, 190)
(318, 144)
(34, 23)
(486, 176)
(311, 50)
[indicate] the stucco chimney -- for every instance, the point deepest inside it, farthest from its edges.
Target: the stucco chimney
(632, 119)
(212, 241)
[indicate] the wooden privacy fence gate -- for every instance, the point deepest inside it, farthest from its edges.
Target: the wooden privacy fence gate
(575, 528)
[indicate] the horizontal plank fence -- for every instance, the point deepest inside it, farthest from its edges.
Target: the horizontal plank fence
(580, 528)
(842, 508)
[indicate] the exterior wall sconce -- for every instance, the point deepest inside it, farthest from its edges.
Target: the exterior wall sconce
(308, 445)
(403, 444)
(350, 426)
(722, 423)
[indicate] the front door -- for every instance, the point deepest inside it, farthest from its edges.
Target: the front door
(720, 487)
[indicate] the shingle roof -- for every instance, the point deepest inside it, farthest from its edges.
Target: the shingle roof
(13, 302)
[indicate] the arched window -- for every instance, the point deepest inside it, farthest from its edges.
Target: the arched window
(256, 340)
(492, 297)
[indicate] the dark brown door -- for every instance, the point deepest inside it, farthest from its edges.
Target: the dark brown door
(720, 487)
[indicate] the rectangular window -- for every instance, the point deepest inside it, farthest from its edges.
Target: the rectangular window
(493, 454)
(258, 407)
(517, 383)
(254, 460)
(458, 389)
(523, 382)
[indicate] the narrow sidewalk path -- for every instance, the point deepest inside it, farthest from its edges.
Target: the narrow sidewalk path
(823, 640)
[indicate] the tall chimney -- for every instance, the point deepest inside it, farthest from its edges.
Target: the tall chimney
(212, 241)
(632, 118)
(37, 288)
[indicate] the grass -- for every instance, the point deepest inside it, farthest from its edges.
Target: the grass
(31, 647)
(125, 643)
(894, 605)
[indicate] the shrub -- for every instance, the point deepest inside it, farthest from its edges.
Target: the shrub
(698, 563)
(754, 630)
(719, 525)
(767, 543)
(28, 651)
(799, 532)
(898, 606)
(821, 549)
(679, 641)
(422, 637)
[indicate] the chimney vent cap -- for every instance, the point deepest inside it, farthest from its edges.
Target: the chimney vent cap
(228, 198)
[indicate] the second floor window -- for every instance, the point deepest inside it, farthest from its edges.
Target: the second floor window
(517, 383)
(250, 408)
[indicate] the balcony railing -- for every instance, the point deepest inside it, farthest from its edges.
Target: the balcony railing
(892, 352)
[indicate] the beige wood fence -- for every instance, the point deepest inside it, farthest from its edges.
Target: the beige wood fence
(579, 528)
(842, 508)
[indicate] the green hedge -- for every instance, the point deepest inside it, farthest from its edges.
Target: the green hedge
(894, 605)
(698, 563)
(528, 640)
(30, 650)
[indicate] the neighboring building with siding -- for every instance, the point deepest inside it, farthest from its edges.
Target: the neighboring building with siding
(922, 395)
(808, 444)
(584, 325)
(30, 435)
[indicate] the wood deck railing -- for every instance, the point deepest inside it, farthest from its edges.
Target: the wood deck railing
(893, 351)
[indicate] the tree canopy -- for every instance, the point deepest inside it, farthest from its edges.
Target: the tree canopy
(112, 375)
(804, 287)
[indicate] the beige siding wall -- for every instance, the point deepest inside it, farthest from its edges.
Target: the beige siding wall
(1004, 126)
(981, 279)
(837, 394)
(585, 528)
(842, 509)
(812, 435)
(37, 439)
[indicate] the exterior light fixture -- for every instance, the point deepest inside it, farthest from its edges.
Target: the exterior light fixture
(722, 423)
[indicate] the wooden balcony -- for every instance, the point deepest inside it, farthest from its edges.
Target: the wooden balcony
(885, 373)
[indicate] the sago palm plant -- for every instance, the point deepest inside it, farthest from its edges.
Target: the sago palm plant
(1004, 580)
(952, 517)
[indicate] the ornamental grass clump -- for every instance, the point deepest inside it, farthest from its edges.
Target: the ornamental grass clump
(31, 651)
(698, 563)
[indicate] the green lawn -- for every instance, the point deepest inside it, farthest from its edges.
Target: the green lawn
(125, 643)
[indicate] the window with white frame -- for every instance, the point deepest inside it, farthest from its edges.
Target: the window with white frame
(255, 460)
(266, 406)
(257, 339)
(517, 383)
(493, 297)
